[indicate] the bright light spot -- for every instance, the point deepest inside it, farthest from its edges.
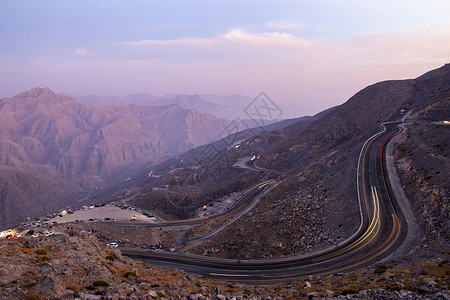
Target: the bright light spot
(7, 232)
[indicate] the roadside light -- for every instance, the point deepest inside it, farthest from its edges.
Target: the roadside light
(8, 232)
(204, 207)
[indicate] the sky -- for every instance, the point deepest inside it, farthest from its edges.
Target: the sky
(312, 54)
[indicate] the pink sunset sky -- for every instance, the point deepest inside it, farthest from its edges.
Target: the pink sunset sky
(314, 54)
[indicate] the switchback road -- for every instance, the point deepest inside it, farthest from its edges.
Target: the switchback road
(242, 200)
(382, 230)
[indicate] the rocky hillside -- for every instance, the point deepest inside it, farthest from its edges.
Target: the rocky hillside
(27, 193)
(317, 205)
(73, 264)
(423, 163)
(360, 116)
(50, 139)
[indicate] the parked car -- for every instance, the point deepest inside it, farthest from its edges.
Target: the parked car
(112, 245)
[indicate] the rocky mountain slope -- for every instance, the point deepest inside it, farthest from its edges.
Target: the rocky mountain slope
(73, 264)
(317, 205)
(423, 163)
(50, 138)
(35, 191)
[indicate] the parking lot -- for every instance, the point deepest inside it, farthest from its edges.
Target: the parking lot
(104, 213)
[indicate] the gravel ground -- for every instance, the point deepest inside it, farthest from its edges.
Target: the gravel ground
(99, 213)
(219, 206)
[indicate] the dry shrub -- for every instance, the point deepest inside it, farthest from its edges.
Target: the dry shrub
(24, 250)
(33, 296)
(30, 284)
(98, 283)
(114, 271)
(40, 251)
(128, 291)
(73, 286)
(439, 272)
(350, 291)
(44, 259)
(401, 271)
(129, 274)
(31, 274)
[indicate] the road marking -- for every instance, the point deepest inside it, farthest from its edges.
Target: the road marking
(230, 275)
(380, 147)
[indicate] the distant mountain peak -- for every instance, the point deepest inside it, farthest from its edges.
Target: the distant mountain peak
(36, 92)
(43, 95)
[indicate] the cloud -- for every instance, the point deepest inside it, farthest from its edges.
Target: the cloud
(81, 51)
(288, 67)
(183, 42)
(235, 36)
(425, 42)
(264, 38)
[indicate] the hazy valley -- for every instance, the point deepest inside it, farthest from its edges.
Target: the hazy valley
(271, 194)
(60, 148)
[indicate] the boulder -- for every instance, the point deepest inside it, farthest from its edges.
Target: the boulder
(328, 294)
(152, 294)
(49, 283)
(117, 254)
(197, 297)
(425, 289)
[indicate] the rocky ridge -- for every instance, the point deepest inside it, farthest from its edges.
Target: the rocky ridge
(423, 164)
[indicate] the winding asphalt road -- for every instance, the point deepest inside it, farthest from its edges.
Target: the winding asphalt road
(242, 200)
(382, 230)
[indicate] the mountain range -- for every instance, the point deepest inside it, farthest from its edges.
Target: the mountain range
(51, 141)
(228, 107)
